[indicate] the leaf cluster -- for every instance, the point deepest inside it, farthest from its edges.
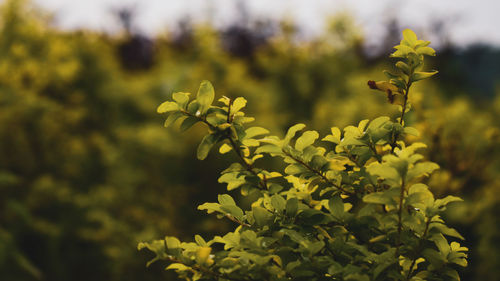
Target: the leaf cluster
(354, 208)
(410, 62)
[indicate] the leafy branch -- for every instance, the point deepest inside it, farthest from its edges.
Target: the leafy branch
(297, 229)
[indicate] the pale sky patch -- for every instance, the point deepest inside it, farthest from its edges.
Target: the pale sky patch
(467, 21)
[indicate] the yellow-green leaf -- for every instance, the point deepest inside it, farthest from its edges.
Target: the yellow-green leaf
(181, 98)
(206, 144)
(426, 51)
(307, 138)
(422, 75)
(225, 148)
(292, 131)
(167, 106)
(238, 104)
(205, 96)
(409, 38)
(177, 266)
(255, 131)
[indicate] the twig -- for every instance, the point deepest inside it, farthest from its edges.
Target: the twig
(230, 217)
(410, 271)
(403, 111)
(236, 148)
(319, 173)
(400, 214)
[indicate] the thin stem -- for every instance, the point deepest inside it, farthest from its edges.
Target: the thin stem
(374, 150)
(393, 143)
(236, 148)
(393, 146)
(237, 221)
(353, 159)
(200, 119)
(248, 167)
(403, 111)
(407, 92)
(410, 271)
(317, 172)
(400, 215)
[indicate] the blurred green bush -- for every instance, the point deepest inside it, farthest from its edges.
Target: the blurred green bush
(87, 171)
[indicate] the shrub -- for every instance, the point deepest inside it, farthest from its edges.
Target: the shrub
(354, 209)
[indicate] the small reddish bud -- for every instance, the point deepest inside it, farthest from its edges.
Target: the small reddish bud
(372, 85)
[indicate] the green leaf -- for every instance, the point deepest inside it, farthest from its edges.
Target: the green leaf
(233, 180)
(422, 43)
(233, 210)
(188, 123)
(419, 196)
(453, 274)
(313, 217)
(292, 206)
(205, 96)
(275, 188)
(334, 137)
(401, 165)
(404, 67)
(384, 260)
(384, 198)
(167, 106)
(262, 216)
(402, 51)
(446, 230)
(226, 199)
(411, 131)
(313, 247)
(455, 246)
(218, 120)
(225, 148)
(362, 124)
(269, 148)
(440, 203)
(434, 258)
(351, 141)
(250, 142)
(172, 242)
(172, 118)
(255, 131)
(181, 98)
(441, 244)
(389, 75)
(292, 131)
(206, 145)
(336, 206)
(426, 51)
(193, 107)
(295, 168)
(421, 169)
(278, 202)
(409, 38)
(210, 207)
(238, 104)
(177, 267)
(335, 268)
(377, 122)
(422, 75)
(157, 247)
(200, 240)
(384, 171)
(398, 83)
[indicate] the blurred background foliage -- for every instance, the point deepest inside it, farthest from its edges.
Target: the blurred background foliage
(87, 170)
